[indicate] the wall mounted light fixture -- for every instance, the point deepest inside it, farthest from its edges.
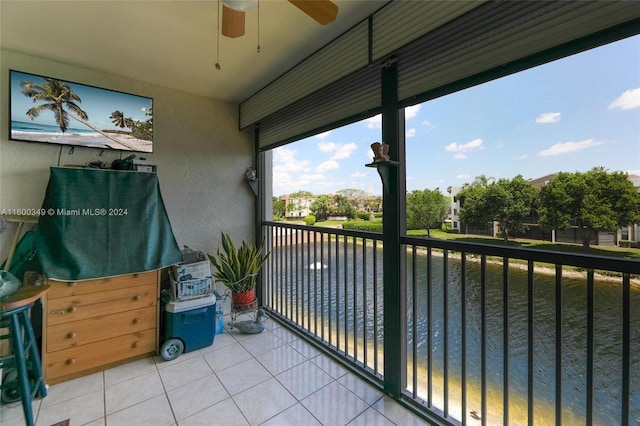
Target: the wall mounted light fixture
(251, 176)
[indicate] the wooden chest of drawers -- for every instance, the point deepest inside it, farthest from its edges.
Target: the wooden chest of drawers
(92, 325)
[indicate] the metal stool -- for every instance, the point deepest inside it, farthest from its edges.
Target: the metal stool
(14, 314)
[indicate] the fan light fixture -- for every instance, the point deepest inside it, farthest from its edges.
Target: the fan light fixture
(233, 21)
(233, 16)
(240, 5)
(233, 13)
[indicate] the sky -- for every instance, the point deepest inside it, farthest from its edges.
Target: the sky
(570, 115)
(96, 102)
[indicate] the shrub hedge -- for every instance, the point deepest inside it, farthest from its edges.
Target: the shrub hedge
(363, 226)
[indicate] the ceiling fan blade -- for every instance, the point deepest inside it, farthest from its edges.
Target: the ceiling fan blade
(232, 22)
(322, 11)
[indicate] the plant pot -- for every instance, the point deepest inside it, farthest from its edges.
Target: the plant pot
(243, 298)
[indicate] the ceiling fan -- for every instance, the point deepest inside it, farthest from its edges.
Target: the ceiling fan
(233, 13)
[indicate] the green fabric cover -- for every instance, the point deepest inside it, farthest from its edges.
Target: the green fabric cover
(101, 223)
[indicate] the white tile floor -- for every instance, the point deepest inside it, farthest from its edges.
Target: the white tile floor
(271, 378)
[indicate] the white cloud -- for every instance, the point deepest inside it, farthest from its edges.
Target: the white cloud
(284, 160)
(410, 133)
(329, 183)
(368, 154)
(281, 177)
(548, 117)
(630, 99)
(523, 157)
(567, 147)
(427, 123)
(466, 147)
(344, 151)
(327, 146)
(358, 175)
(460, 156)
(340, 151)
(285, 170)
(356, 184)
(412, 111)
(327, 166)
(312, 177)
(463, 176)
(374, 122)
(323, 135)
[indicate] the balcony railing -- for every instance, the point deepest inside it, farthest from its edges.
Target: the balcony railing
(494, 335)
(317, 278)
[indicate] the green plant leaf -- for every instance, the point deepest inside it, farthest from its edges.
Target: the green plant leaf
(238, 267)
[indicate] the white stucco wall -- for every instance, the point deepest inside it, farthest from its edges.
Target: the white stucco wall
(200, 153)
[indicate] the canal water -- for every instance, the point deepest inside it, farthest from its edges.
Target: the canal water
(324, 292)
(607, 340)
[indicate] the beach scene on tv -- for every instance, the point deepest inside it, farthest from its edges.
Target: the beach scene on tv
(48, 110)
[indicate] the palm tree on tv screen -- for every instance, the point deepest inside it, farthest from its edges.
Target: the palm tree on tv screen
(57, 96)
(118, 119)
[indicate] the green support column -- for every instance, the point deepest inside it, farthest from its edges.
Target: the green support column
(259, 203)
(394, 258)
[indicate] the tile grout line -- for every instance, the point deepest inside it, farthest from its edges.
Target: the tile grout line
(166, 394)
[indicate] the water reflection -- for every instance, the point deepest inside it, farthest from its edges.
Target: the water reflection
(326, 299)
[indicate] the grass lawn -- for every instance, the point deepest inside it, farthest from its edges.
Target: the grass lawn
(613, 251)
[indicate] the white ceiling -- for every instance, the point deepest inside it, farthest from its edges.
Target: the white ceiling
(173, 43)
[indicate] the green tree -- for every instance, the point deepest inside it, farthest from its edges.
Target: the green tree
(356, 197)
(320, 207)
(512, 201)
(342, 207)
(374, 203)
(353, 193)
(474, 210)
(505, 201)
(301, 194)
(595, 201)
(292, 208)
(278, 207)
(426, 209)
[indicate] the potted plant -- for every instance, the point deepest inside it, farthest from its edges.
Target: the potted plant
(238, 267)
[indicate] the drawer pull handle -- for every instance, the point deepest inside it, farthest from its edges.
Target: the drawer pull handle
(58, 312)
(71, 361)
(71, 284)
(71, 335)
(72, 309)
(134, 345)
(136, 321)
(137, 297)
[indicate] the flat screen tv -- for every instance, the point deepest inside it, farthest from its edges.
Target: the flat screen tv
(49, 110)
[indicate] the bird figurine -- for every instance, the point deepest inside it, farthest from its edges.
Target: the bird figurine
(251, 326)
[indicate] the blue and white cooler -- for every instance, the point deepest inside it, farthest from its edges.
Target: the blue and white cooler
(189, 325)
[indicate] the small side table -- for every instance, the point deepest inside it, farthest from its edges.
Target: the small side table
(14, 314)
